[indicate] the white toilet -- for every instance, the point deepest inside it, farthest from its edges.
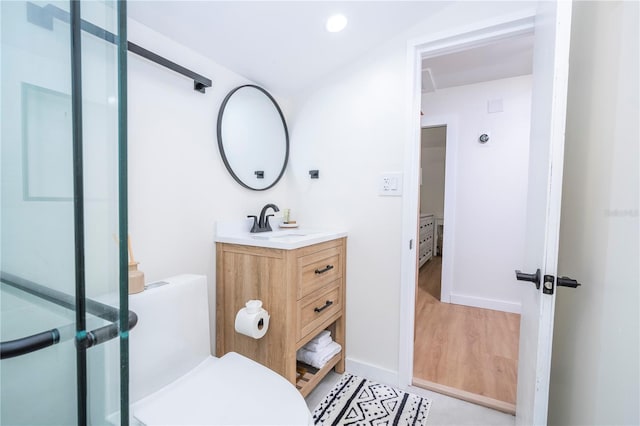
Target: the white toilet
(175, 381)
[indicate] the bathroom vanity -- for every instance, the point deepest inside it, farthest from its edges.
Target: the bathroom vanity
(300, 277)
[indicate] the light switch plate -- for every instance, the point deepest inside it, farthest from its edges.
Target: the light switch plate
(390, 184)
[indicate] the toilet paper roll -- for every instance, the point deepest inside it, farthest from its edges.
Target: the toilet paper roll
(254, 325)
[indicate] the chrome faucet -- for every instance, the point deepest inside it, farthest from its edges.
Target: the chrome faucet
(262, 224)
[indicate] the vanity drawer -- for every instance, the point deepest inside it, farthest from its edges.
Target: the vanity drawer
(316, 308)
(318, 269)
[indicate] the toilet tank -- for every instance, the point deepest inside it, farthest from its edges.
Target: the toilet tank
(172, 334)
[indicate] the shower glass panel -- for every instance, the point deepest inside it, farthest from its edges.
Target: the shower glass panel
(61, 210)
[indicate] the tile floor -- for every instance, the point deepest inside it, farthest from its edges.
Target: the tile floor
(444, 410)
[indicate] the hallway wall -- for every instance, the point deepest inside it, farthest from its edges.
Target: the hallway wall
(490, 188)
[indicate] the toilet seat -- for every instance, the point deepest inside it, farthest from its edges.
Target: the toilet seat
(231, 390)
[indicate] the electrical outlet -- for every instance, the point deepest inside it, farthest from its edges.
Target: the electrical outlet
(390, 184)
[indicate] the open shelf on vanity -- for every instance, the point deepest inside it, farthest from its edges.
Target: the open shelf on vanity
(308, 377)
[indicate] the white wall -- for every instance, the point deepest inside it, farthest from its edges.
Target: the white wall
(178, 184)
(595, 373)
(352, 127)
(491, 188)
(432, 163)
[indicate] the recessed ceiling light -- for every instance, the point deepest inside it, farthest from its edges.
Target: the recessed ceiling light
(336, 23)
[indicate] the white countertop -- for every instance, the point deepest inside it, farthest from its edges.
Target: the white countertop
(237, 232)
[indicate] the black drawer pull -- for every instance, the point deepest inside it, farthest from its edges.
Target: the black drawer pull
(326, 305)
(325, 269)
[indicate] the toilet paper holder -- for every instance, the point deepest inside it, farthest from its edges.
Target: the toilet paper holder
(252, 320)
(253, 306)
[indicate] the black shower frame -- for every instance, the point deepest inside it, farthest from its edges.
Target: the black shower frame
(121, 320)
(43, 17)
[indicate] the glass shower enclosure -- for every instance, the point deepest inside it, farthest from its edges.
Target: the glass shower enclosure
(63, 218)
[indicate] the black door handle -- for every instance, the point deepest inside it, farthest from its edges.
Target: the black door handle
(534, 278)
(567, 282)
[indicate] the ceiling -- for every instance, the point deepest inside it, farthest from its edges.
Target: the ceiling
(502, 59)
(281, 45)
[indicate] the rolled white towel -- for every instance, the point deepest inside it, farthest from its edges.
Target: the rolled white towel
(320, 358)
(320, 341)
(318, 346)
(323, 337)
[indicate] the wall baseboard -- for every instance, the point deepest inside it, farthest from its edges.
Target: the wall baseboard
(482, 302)
(372, 372)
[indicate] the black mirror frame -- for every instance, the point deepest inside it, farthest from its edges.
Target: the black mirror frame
(221, 148)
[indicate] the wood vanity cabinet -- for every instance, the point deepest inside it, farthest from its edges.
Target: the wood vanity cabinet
(302, 289)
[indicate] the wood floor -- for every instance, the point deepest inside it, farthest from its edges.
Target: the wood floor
(464, 348)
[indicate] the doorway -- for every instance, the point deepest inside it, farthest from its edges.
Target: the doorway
(552, 24)
(432, 194)
(466, 338)
(465, 351)
(432, 189)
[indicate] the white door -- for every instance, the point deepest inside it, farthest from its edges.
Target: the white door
(550, 71)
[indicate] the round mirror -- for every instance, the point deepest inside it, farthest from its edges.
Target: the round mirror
(253, 137)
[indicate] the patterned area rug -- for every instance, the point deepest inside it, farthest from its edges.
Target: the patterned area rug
(358, 401)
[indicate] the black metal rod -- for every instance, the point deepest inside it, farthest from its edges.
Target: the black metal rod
(25, 345)
(106, 312)
(123, 209)
(200, 83)
(42, 16)
(78, 211)
(35, 342)
(50, 295)
(95, 337)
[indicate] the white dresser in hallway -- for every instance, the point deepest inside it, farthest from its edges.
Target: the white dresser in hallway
(425, 238)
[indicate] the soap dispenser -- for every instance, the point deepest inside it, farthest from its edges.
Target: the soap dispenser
(136, 277)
